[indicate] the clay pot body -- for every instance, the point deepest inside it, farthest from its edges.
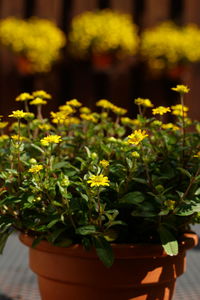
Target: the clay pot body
(140, 272)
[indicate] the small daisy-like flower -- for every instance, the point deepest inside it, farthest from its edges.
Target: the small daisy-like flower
(170, 126)
(51, 139)
(29, 116)
(104, 163)
(118, 110)
(143, 102)
(35, 169)
(72, 120)
(74, 102)
(4, 137)
(182, 89)
(135, 154)
(18, 114)
(67, 109)
(24, 97)
(104, 104)
(45, 127)
(3, 125)
(59, 117)
(38, 101)
(197, 155)
(180, 107)
(19, 138)
(137, 136)
(89, 117)
(128, 121)
(85, 110)
(156, 123)
(41, 94)
(98, 180)
(160, 110)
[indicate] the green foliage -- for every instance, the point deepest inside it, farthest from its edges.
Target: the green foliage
(78, 179)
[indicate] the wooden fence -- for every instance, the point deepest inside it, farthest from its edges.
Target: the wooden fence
(122, 83)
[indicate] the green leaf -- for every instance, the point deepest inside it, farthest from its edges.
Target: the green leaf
(104, 251)
(184, 171)
(60, 165)
(3, 238)
(169, 242)
(85, 230)
(52, 223)
(132, 198)
(140, 180)
(188, 210)
(38, 148)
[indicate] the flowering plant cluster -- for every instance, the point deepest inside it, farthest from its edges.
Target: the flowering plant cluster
(38, 40)
(167, 45)
(103, 32)
(95, 178)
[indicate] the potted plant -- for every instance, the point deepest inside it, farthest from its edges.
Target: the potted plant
(104, 202)
(35, 42)
(170, 48)
(104, 37)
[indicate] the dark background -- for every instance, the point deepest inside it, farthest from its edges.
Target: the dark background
(120, 83)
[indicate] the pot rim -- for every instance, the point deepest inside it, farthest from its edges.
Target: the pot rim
(188, 240)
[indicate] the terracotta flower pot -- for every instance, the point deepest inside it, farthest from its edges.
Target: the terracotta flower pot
(142, 272)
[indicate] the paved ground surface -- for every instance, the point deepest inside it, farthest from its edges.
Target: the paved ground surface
(17, 282)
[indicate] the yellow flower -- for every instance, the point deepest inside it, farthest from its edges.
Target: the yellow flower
(89, 117)
(126, 120)
(170, 126)
(156, 123)
(59, 117)
(20, 138)
(18, 114)
(51, 139)
(35, 169)
(104, 163)
(4, 137)
(24, 97)
(179, 110)
(180, 107)
(74, 102)
(3, 124)
(85, 110)
(72, 121)
(143, 102)
(104, 103)
(38, 101)
(67, 109)
(197, 155)
(103, 31)
(137, 136)
(45, 127)
(170, 204)
(135, 154)
(29, 115)
(118, 110)
(160, 110)
(98, 180)
(41, 94)
(182, 89)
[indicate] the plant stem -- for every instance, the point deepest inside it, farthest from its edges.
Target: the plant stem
(183, 125)
(192, 179)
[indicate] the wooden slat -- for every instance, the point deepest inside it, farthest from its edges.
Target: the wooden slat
(191, 11)
(123, 6)
(11, 8)
(155, 12)
(80, 6)
(50, 9)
